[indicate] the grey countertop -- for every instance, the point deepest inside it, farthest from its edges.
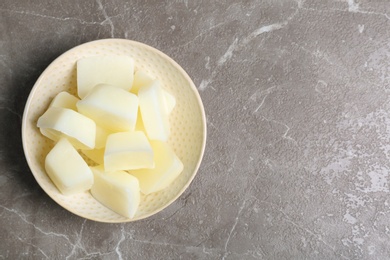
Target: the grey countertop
(296, 95)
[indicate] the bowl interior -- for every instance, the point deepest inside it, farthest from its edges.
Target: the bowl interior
(188, 126)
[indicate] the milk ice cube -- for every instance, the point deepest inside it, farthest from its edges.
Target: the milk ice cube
(153, 110)
(59, 122)
(170, 104)
(140, 79)
(118, 191)
(167, 167)
(110, 107)
(67, 169)
(127, 151)
(64, 100)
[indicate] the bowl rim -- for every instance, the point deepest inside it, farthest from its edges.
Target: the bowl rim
(184, 74)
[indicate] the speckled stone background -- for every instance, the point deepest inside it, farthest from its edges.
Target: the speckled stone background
(297, 101)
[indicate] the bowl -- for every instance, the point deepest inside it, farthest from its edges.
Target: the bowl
(188, 124)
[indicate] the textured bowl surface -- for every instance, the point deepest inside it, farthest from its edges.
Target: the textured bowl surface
(188, 123)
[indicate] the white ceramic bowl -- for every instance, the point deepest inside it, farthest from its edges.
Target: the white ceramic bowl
(188, 123)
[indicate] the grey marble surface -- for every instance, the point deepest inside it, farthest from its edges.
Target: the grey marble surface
(297, 101)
